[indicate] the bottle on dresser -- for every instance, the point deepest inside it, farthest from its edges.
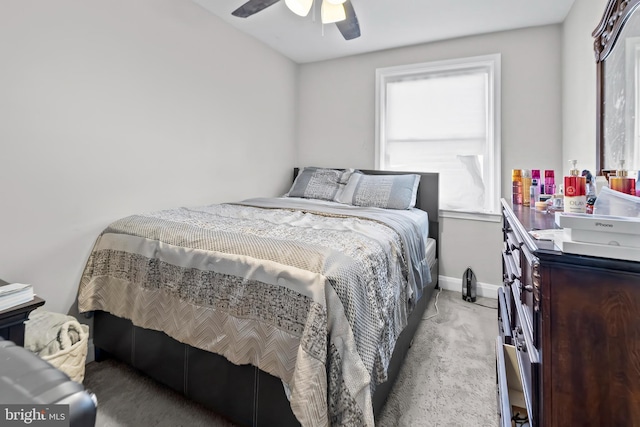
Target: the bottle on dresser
(549, 182)
(590, 184)
(535, 174)
(534, 191)
(516, 181)
(621, 182)
(526, 185)
(575, 191)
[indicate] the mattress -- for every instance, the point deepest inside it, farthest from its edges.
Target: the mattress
(315, 295)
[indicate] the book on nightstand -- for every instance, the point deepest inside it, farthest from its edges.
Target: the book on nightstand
(14, 294)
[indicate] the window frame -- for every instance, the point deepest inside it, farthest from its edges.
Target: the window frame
(492, 64)
(632, 49)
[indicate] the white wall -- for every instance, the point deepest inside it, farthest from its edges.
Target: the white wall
(336, 122)
(579, 84)
(110, 108)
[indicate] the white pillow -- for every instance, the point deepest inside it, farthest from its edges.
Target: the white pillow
(320, 183)
(381, 191)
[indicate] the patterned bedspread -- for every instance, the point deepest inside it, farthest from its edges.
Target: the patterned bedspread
(314, 294)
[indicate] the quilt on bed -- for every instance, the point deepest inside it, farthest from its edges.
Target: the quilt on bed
(313, 294)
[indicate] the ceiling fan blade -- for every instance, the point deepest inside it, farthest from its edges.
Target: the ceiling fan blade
(252, 6)
(350, 27)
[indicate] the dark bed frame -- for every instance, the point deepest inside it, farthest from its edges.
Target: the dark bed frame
(244, 394)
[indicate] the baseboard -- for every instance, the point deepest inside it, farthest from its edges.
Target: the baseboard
(91, 352)
(486, 290)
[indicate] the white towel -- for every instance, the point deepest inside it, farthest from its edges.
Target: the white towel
(60, 340)
(48, 333)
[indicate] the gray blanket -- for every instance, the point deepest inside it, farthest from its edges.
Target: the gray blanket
(313, 294)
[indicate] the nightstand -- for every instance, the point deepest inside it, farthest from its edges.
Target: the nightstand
(12, 319)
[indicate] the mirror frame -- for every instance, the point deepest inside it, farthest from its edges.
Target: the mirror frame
(616, 14)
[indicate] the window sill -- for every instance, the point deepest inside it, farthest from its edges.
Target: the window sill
(473, 216)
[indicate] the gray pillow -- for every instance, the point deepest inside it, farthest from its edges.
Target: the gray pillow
(319, 183)
(381, 191)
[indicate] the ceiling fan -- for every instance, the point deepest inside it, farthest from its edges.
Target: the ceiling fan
(340, 12)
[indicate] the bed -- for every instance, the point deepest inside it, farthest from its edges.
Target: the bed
(273, 311)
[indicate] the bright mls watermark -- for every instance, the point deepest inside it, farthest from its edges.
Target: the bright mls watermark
(34, 415)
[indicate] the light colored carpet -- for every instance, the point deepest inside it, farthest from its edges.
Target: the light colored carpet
(448, 379)
(449, 375)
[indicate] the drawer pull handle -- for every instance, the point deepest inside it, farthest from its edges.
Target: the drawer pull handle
(510, 267)
(536, 285)
(513, 243)
(519, 340)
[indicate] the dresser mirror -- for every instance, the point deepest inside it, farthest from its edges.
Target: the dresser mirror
(617, 51)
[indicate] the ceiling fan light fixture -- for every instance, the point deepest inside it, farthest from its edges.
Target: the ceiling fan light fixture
(331, 13)
(299, 7)
(336, 1)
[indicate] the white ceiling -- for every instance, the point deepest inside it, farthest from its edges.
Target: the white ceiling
(386, 23)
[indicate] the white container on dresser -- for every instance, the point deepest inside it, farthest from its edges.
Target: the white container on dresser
(568, 350)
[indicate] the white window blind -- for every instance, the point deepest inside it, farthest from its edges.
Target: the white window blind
(441, 117)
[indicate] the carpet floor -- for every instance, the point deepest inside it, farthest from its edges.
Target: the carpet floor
(448, 378)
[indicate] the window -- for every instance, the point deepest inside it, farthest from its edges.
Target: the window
(630, 151)
(444, 117)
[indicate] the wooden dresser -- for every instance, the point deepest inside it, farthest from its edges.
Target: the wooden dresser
(568, 350)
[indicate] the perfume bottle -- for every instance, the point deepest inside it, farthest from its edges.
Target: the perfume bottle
(591, 186)
(534, 192)
(526, 185)
(535, 174)
(575, 191)
(621, 182)
(549, 182)
(516, 181)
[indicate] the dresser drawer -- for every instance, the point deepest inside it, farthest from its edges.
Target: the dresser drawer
(528, 355)
(523, 325)
(510, 391)
(510, 268)
(512, 244)
(528, 264)
(526, 295)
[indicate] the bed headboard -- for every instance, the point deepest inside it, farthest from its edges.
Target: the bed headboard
(427, 195)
